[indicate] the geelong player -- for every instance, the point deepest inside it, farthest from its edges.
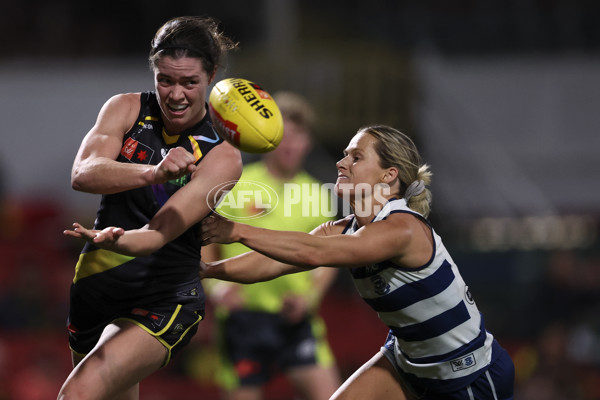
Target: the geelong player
(437, 347)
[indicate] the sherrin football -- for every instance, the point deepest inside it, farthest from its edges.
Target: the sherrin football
(245, 115)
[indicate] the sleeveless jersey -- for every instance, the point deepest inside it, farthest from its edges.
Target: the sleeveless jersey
(172, 270)
(439, 334)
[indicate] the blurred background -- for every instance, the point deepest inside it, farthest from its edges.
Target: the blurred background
(502, 97)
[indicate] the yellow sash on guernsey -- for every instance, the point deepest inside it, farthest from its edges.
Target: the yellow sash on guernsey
(96, 261)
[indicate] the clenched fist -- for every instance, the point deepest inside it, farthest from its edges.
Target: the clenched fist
(177, 163)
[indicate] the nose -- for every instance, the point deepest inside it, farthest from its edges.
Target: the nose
(340, 163)
(176, 92)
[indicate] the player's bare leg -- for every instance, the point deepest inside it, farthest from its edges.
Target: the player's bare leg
(376, 379)
(125, 355)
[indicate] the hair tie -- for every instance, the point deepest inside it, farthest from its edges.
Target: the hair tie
(414, 189)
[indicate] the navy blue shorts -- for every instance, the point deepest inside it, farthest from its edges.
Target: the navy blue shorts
(496, 382)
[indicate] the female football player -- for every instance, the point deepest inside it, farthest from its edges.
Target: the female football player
(153, 156)
(437, 346)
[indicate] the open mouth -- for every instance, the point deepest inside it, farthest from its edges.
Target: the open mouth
(177, 107)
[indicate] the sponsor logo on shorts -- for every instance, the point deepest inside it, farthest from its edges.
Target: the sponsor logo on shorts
(177, 329)
(155, 319)
(465, 362)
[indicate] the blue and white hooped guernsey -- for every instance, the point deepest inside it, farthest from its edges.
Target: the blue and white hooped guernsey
(439, 336)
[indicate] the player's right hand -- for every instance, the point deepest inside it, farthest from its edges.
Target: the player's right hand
(177, 163)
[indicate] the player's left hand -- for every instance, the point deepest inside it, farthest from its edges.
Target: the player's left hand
(107, 235)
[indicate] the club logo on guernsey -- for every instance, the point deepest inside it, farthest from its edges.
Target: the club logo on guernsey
(380, 285)
(137, 152)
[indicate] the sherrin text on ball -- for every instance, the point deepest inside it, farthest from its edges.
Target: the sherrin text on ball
(245, 115)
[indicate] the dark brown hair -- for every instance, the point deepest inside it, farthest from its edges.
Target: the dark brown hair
(198, 37)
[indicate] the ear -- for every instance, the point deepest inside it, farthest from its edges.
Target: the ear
(212, 76)
(390, 175)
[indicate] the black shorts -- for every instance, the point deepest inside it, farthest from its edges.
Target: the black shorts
(258, 345)
(173, 323)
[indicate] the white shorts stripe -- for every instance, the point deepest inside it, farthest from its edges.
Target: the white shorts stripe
(487, 374)
(470, 392)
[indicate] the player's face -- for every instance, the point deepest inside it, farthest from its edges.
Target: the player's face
(181, 85)
(360, 165)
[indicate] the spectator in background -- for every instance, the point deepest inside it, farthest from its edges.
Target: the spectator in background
(273, 327)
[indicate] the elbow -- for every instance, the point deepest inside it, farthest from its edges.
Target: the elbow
(85, 183)
(79, 181)
(77, 184)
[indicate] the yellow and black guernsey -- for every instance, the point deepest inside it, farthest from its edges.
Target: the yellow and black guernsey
(160, 292)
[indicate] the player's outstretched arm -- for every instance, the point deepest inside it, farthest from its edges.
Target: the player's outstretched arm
(252, 267)
(249, 267)
(370, 244)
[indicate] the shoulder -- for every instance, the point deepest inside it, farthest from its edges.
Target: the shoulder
(123, 99)
(125, 104)
(118, 114)
(407, 227)
(403, 220)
